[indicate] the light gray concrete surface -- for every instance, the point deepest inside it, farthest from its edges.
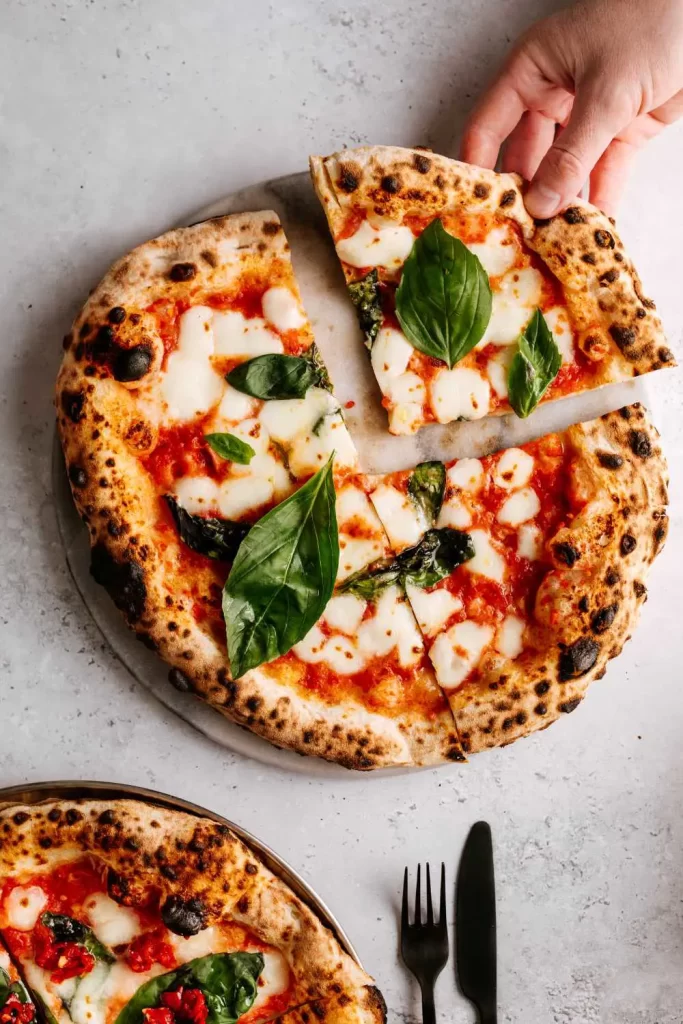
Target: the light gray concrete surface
(117, 119)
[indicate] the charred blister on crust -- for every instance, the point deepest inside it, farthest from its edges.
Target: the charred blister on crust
(640, 444)
(421, 163)
(73, 404)
(124, 581)
(181, 272)
(508, 198)
(131, 364)
(348, 179)
(573, 215)
(577, 659)
(603, 619)
(566, 553)
(609, 460)
(391, 184)
(604, 239)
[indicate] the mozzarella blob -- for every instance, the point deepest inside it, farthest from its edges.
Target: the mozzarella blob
(23, 907)
(432, 609)
(236, 335)
(487, 560)
(529, 542)
(189, 385)
(113, 924)
(282, 310)
(513, 469)
(456, 652)
(466, 475)
(390, 356)
(519, 507)
(460, 393)
(371, 246)
(514, 302)
(499, 252)
(510, 636)
(404, 522)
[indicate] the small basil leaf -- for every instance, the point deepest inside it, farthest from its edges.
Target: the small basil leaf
(230, 447)
(369, 583)
(227, 981)
(312, 355)
(216, 538)
(274, 377)
(534, 367)
(67, 929)
(435, 557)
(283, 575)
(366, 297)
(443, 301)
(426, 486)
(5, 985)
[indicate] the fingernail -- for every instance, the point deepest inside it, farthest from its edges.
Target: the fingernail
(542, 201)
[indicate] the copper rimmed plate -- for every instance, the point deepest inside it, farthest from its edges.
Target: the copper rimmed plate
(42, 791)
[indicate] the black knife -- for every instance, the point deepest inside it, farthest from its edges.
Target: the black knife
(475, 923)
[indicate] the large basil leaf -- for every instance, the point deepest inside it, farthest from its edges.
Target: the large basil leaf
(426, 486)
(227, 980)
(11, 988)
(443, 301)
(283, 575)
(230, 447)
(534, 367)
(216, 538)
(68, 929)
(366, 297)
(435, 557)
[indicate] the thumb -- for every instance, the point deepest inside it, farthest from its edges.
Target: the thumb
(597, 117)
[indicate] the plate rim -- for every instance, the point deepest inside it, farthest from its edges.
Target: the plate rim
(69, 789)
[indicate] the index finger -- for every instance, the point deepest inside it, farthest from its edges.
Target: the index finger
(491, 121)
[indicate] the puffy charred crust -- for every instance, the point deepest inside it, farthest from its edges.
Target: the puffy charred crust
(566, 553)
(133, 363)
(183, 917)
(640, 444)
(183, 272)
(364, 1007)
(73, 404)
(179, 680)
(422, 163)
(600, 595)
(609, 460)
(124, 581)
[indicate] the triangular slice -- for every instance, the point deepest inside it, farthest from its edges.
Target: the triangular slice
(563, 530)
(378, 201)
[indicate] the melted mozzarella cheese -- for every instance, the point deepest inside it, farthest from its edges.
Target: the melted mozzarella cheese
(467, 475)
(235, 335)
(519, 507)
(285, 419)
(24, 905)
(90, 1001)
(558, 322)
(311, 647)
(529, 542)
(510, 636)
(457, 651)
(273, 980)
(514, 302)
(235, 405)
(513, 469)
(282, 310)
(113, 925)
(390, 356)
(454, 513)
(433, 608)
(253, 433)
(312, 449)
(197, 494)
(498, 370)
(339, 652)
(499, 252)
(190, 385)
(460, 393)
(391, 626)
(201, 944)
(402, 519)
(238, 494)
(353, 503)
(345, 612)
(487, 560)
(355, 553)
(376, 247)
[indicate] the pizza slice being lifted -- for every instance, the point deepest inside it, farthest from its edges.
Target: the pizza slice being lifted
(126, 913)
(538, 561)
(468, 306)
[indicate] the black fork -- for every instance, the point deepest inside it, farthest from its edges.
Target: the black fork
(424, 947)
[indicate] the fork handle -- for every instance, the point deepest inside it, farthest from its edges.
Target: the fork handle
(428, 1009)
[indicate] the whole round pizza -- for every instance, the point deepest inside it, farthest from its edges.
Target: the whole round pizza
(122, 912)
(409, 618)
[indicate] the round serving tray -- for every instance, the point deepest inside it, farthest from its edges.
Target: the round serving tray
(336, 331)
(41, 791)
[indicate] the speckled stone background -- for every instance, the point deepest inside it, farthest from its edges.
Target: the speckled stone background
(117, 119)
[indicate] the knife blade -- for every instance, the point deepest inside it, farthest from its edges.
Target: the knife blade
(475, 923)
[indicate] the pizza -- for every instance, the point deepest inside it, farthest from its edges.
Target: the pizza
(175, 469)
(374, 622)
(120, 911)
(561, 534)
(468, 306)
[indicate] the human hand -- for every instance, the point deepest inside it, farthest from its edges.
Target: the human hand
(610, 72)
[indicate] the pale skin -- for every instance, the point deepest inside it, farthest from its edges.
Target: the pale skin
(579, 94)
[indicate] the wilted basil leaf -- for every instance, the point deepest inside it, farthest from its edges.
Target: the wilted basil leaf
(216, 538)
(370, 582)
(434, 558)
(426, 486)
(443, 301)
(534, 367)
(68, 929)
(365, 295)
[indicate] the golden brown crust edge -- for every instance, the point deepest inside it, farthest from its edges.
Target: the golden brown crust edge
(595, 592)
(104, 431)
(186, 857)
(365, 1007)
(616, 325)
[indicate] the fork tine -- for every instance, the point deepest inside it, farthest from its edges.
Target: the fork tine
(442, 901)
(418, 909)
(430, 910)
(404, 904)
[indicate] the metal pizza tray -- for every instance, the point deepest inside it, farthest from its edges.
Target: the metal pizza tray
(42, 791)
(336, 331)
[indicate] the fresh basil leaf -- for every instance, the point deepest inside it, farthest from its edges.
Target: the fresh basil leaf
(68, 929)
(274, 377)
(312, 355)
(369, 583)
(283, 575)
(5, 987)
(366, 297)
(227, 981)
(443, 301)
(426, 486)
(534, 367)
(216, 538)
(230, 447)
(435, 557)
